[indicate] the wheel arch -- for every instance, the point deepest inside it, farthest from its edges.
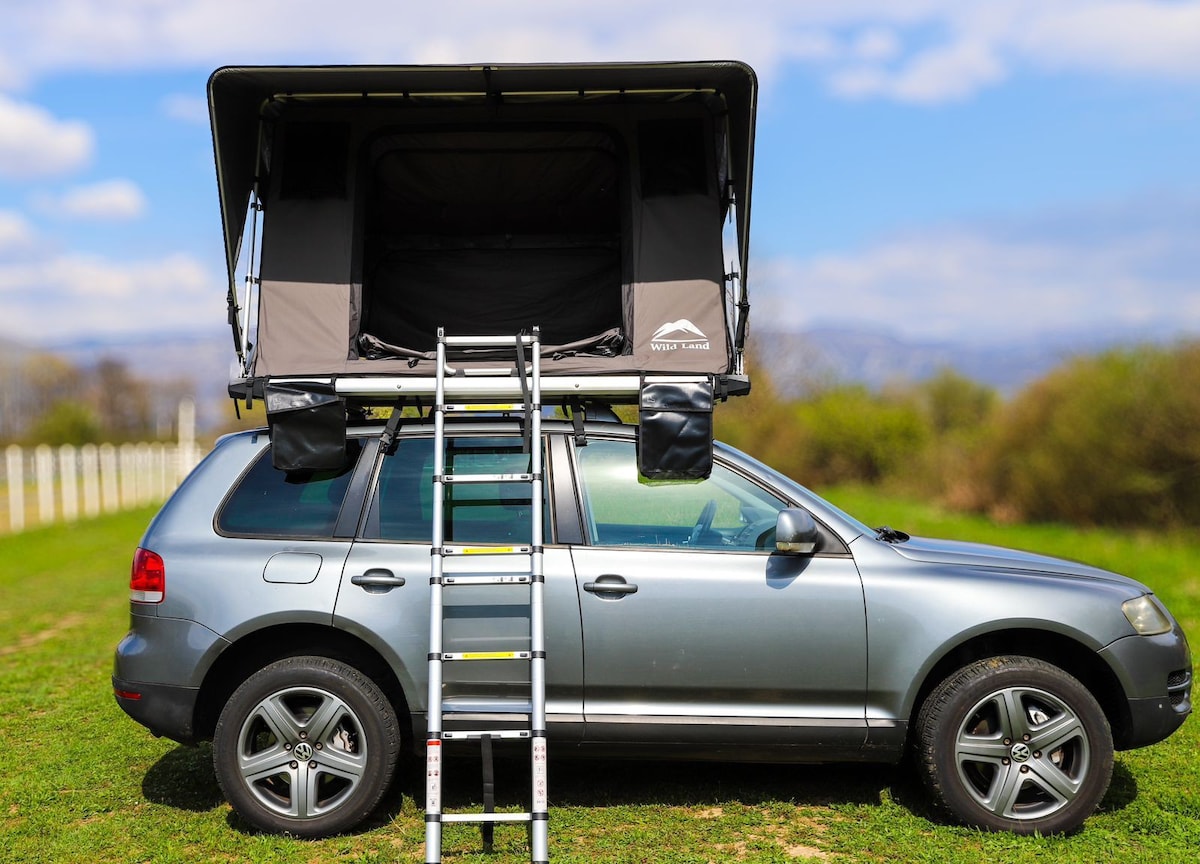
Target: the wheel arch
(1062, 651)
(252, 652)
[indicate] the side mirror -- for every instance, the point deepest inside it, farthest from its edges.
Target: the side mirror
(795, 532)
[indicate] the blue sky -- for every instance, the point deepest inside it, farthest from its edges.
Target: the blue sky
(975, 172)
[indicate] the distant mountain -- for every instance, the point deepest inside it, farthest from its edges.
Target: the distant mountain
(798, 361)
(201, 358)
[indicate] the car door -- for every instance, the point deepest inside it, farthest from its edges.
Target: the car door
(384, 596)
(695, 631)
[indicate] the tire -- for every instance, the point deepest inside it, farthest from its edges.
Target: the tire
(306, 746)
(1014, 744)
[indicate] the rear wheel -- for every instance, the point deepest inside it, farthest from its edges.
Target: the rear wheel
(1015, 744)
(306, 746)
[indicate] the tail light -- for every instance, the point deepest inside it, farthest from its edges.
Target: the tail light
(148, 578)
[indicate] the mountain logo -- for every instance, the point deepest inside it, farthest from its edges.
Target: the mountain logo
(676, 335)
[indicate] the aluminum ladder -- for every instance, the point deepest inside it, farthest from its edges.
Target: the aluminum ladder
(495, 399)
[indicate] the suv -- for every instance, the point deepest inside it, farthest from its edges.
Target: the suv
(738, 617)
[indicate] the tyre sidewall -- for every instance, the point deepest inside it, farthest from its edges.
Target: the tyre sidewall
(946, 710)
(373, 712)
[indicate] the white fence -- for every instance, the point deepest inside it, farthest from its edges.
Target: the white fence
(43, 484)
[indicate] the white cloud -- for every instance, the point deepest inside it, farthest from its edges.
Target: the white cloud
(107, 200)
(34, 143)
(16, 234)
(75, 296)
(947, 73)
(994, 285)
(189, 109)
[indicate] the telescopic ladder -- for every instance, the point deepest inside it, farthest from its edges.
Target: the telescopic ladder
(528, 375)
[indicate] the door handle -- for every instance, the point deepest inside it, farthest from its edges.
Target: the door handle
(610, 584)
(377, 579)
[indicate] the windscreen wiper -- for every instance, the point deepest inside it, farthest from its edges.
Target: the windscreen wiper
(890, 535)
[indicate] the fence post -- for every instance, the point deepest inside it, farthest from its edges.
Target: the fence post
(127, 474)
(89, 468)
(111, 499)
(187, 440)
(14, 467)
(43, 468)
(68, 482)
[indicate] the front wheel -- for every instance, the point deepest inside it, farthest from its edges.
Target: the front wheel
(306, 746)
(1015, 744)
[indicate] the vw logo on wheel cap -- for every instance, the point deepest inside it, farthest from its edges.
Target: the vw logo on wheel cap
(1020, 752)
(304, 751)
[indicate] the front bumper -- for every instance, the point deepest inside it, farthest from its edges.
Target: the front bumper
(1156, 674)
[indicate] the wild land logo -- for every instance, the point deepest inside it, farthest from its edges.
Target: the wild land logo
(679, 335)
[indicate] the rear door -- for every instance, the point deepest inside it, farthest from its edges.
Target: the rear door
(695, 631)
(384, 596)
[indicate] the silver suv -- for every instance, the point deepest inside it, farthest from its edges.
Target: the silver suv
(740, 617)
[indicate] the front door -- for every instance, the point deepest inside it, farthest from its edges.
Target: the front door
(696, 631)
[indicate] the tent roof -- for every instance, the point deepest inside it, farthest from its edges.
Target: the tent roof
(237, 95)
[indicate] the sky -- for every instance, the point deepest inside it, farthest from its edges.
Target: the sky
(976, 172)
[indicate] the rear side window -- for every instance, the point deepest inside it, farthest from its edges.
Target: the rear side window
(268, 502)
(402, 506)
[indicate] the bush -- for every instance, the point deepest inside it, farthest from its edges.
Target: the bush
(1113, 439)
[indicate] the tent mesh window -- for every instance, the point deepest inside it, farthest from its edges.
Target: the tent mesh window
(493, 231)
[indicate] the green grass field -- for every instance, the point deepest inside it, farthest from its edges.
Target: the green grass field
(82, 783)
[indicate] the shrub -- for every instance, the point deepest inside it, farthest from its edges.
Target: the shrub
(1112, 439)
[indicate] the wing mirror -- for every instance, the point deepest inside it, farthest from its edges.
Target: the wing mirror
(795, 532)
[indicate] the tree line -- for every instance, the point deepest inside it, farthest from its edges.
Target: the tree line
(1111, 439)
(46, 399)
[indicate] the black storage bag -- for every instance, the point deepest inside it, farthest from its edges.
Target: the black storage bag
(675, 437)
(308, 427)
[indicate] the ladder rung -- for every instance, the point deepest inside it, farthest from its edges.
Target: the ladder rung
(487, 817)
(486, 579)
(487, 478)
(487, 341)
(466, 734)
(486, 550)
(487, 655)
(486, 706)
(494, 407)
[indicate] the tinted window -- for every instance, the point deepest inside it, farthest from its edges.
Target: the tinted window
(273, 503)
(726, 511)
(402, 507)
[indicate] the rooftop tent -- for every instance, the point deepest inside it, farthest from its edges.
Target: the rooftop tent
(587, 199)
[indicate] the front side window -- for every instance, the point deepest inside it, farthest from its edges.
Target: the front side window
(268, 502)
(725, 511)
(402, 507)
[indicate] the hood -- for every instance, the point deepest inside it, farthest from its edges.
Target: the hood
(960, 554)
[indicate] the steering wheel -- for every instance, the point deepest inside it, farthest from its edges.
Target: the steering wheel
(704, 523)
(760, 533)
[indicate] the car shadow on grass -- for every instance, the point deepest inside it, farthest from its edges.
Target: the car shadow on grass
(184, 779)
(599, 782)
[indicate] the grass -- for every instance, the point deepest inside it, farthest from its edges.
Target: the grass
(84, 783)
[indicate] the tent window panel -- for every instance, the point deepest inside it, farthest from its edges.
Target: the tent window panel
(491, 232)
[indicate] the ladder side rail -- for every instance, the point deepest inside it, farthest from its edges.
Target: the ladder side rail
(539, 803)
(433, 735)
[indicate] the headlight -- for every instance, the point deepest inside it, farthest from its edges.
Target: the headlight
(1146, 616)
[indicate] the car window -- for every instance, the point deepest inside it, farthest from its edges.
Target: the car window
(268, 502)
(725, 511)
(401, 507)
